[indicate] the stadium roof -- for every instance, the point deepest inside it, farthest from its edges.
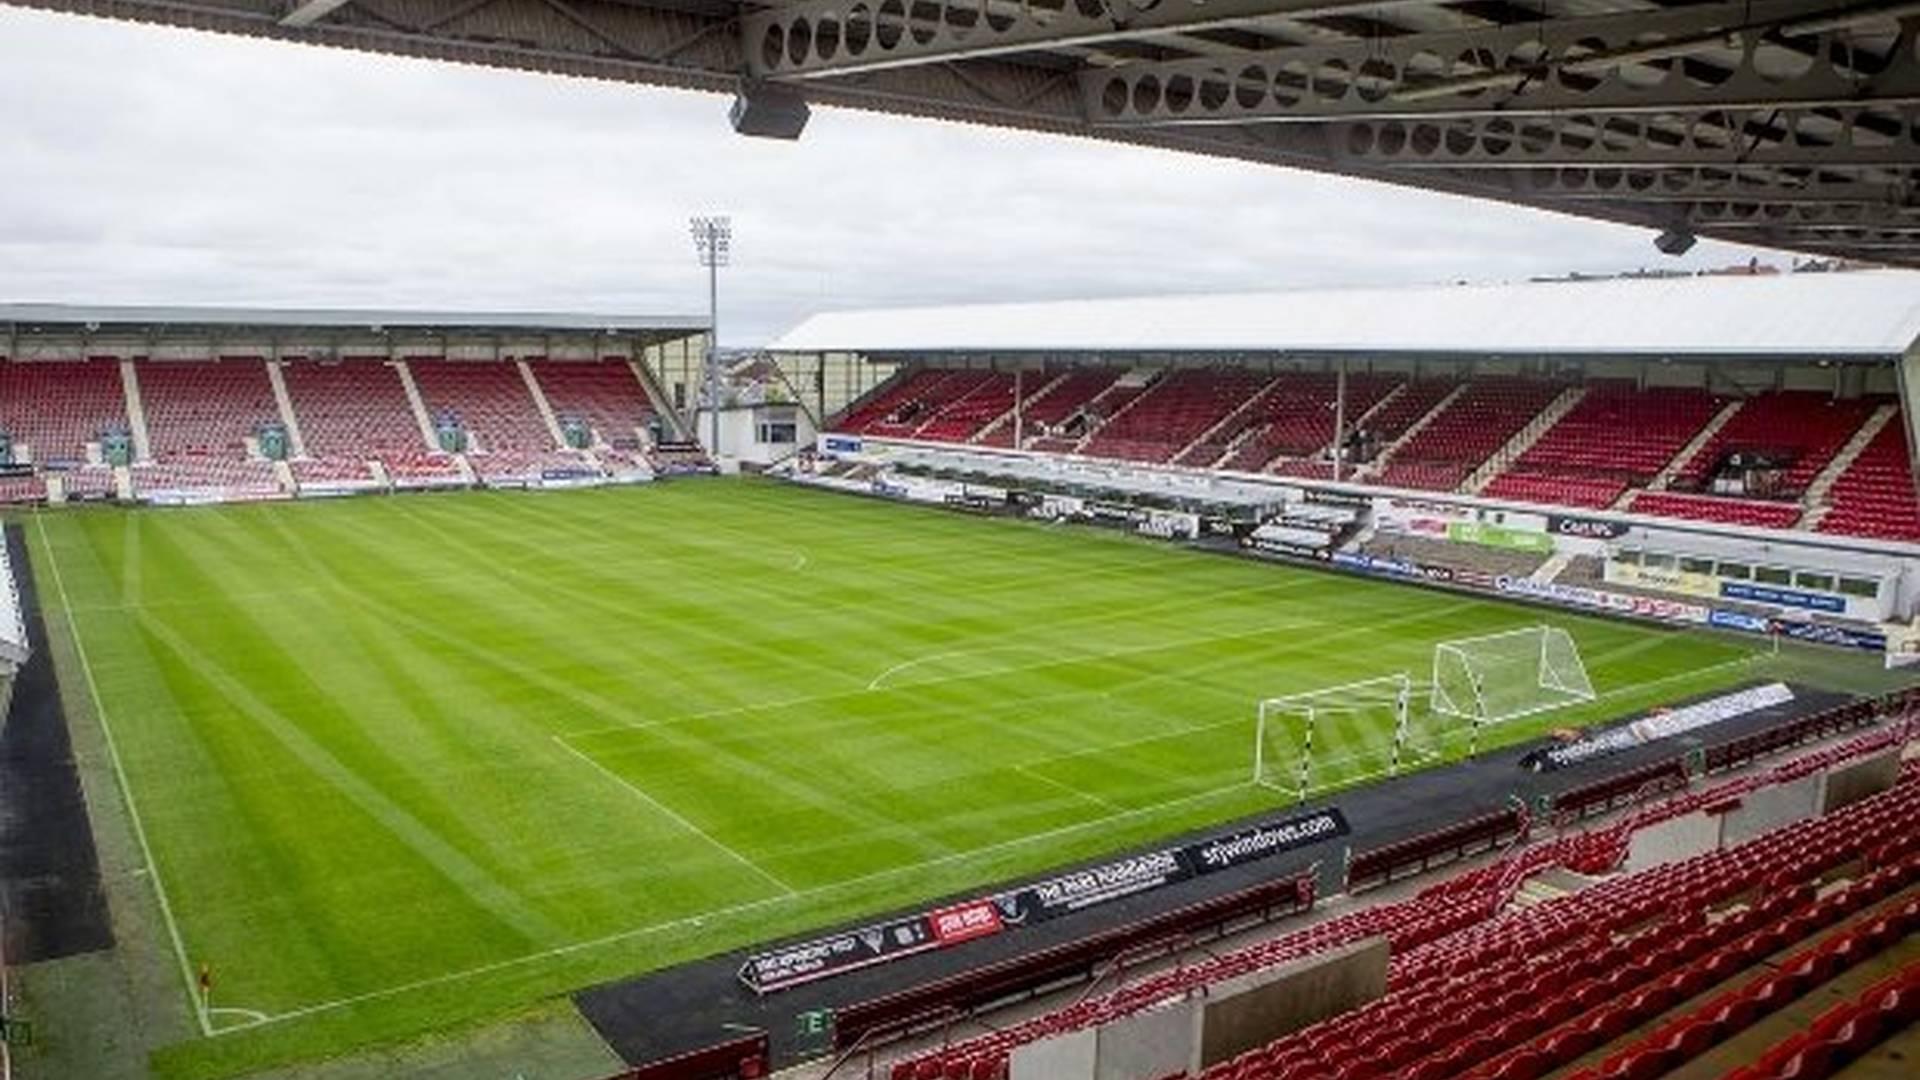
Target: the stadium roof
(1860, 315)
(1784, 123)
(30, 318)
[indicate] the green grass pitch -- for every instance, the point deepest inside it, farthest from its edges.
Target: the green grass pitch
(417, 761)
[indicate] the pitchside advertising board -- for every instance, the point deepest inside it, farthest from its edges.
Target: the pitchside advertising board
(837, 954)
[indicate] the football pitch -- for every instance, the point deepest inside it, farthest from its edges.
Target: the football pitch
(400, 763)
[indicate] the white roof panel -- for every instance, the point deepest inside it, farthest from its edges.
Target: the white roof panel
(1859, 314)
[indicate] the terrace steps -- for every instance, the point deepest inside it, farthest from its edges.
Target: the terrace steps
(1252, 401)
(277, 378)
(1385, 457)
(1142, 387)
(1698, 443)
(417, 403)
(136, 412)
(1822, 485)
(1524, 439)
(1019, 403)
(540, 403)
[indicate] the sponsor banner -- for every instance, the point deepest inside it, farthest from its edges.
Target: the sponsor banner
(1500, 536)
(1376, 564)
(1090, 887)
(1657, 726)
(1822, 634)
(1771, 594)
(1586, 528)
(1622, 603)
(1263, 840)
(840, 444)
(838, 954)
(964, 922)
(1739, 620)
(1680, 581)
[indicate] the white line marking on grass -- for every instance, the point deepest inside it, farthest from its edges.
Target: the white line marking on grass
(126, 788)
(874, 683)
(253, 1017)
(675, 816)
(1066, 787)
(702, 918)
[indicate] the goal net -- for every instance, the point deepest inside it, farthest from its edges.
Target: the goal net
(1321, 739)
(1504, 676)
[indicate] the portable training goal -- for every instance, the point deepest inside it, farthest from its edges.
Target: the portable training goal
(1496, 677)
(1365, 729)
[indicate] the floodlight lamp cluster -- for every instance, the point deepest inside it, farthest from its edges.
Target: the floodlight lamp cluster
(713, 239)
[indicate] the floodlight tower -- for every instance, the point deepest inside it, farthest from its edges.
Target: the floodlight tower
(713, 242)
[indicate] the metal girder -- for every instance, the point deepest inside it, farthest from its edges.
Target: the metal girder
(817, 38)
(1850, 137)
(1739, 214)
(1742, 56)
(1695, 185)
(308, 12)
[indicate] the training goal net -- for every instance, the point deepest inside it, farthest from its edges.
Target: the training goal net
(1497, 677)
(1317, 740)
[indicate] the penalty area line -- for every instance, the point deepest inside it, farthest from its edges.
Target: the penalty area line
(676, 817)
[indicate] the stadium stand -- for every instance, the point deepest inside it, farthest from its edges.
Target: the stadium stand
(963, 417)
(1173, 412)
(1875, 496)
(58, 408)
(1494, 977)
(490, 402)
(1749, 512)
(205, 409)
(1842, 1034)
(1802, 428)
(1293, 418)
(1054, 405)
(1467, 431)
(1615, 445)
(1618, 436)
(350, 412)
(606, 396)
(199, 415)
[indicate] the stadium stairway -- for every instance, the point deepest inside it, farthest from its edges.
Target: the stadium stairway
(1524, 439)
(136, 412)
(416, 403)
(277, 379)
(1418, 422)
(1664, 478)
(540, 403)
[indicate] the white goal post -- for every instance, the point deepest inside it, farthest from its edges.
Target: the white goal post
(1496, 677)
(1283, 753)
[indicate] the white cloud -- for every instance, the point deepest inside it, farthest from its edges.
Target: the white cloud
(147, 165)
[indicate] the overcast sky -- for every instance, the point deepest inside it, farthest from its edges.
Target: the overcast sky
(148, 165)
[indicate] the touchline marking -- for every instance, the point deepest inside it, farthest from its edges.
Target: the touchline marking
(126, 788)
(676, 816)
(737, 909)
